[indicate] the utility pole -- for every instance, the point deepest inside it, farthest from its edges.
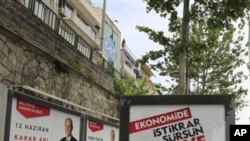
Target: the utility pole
(183, 88)
(102, 25)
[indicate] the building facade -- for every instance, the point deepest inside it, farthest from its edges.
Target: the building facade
(111, 40)
(131, 68)
(52, 46)
(128, 61)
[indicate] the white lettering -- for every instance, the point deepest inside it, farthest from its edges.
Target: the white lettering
(149, 123)
(186, 113)
(137, 126)
(239, 132)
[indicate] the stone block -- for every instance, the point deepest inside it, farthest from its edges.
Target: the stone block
(4, 48)
(18, 68)
(11, 46)
(19, 54)
(3, 38)
(43, 74)
(1, 55)
(16, 77)
(58, 80)
(33, 64)
(13, 58)
(40, 82)
(44, 66)
(4, 71)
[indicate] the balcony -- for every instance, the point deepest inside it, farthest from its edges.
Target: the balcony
(86, 29)
(129, 71)
(93, 41)
(85, 8)
(60, 27)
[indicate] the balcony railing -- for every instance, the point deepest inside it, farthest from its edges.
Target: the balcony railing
(49, 17)
(66, 32)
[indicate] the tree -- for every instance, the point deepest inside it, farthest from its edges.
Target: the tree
(218, 14)
(215, 57)
(132, 86)
(213, 54)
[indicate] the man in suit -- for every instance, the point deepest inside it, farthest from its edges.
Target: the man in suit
(112, 135)
(68, 124)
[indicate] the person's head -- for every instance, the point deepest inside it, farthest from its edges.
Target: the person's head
(68, 124)
(112, 135)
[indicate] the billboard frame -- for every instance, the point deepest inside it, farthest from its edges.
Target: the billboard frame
(127, 101)
(19, 95)
(87, 117)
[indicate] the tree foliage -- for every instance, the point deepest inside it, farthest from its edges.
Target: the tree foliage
(214, 54)
(132, 86)
(217, 13)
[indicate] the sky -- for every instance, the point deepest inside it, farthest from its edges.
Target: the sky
(130, 13)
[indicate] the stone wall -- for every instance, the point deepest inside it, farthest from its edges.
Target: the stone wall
(32, 54)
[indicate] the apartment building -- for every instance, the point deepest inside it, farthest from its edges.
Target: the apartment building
(57, 45)
(78, 22)
(81, 17)
(130, 68)
(111, 40)
(128, 61)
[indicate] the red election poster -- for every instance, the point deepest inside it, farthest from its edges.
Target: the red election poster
(98, 130)
(35, 122)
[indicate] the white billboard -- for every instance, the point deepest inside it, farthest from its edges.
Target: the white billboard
(177, 123)
(176, 118)
(97, 130)
(34, 122)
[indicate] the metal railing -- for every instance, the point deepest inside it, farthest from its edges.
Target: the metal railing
(83, 47)
(42, 11)
(66, 32)
(49, 17)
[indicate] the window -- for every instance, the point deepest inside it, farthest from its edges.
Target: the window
(68, 10)
(43, 10)
(49, 3)
(25, 2)
(67, 33)
(83, 47)
(93, 34)
(86, 28)
(62, 3)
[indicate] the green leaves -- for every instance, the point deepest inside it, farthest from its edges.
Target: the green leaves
(132, 86)
(162, 7)
(219, 14)
(215, 58)
(214, 54)
(155, 36)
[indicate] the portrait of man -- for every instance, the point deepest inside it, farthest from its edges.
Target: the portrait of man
(112, 135)
(68, 126)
